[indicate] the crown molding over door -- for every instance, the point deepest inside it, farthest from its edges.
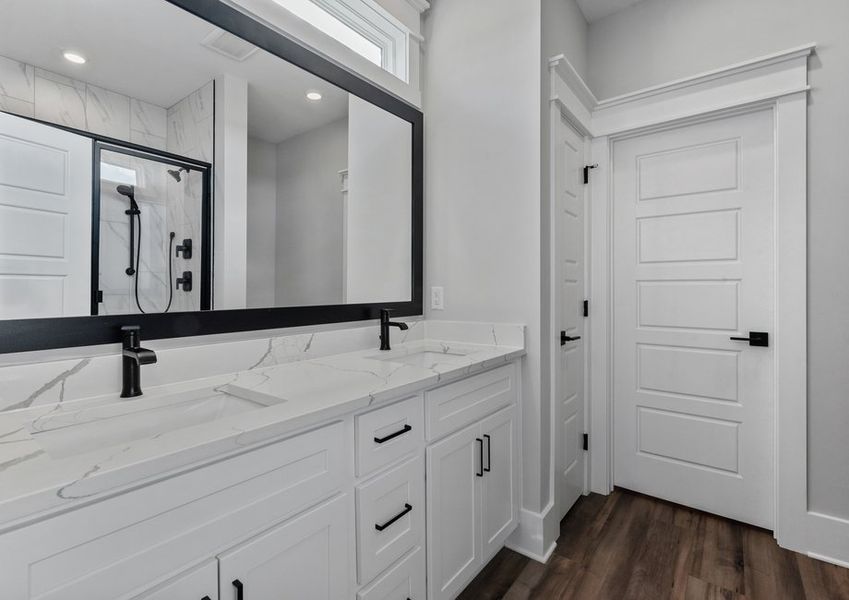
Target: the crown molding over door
(779, 82)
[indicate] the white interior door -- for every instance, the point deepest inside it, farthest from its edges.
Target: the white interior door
(693, 267)
(570, 463)
(45, 187)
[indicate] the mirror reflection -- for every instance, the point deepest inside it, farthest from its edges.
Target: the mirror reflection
(187, 170)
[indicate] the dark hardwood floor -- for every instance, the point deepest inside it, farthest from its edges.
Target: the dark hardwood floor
(629, 546)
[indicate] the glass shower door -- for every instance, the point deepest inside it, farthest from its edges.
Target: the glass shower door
(150, 234)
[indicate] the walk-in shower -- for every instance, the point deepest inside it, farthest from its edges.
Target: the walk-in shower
(151, 229)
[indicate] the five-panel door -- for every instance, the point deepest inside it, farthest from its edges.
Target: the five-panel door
(694, 267)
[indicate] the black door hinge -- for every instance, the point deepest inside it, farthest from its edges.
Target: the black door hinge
(587, 173)
(100, 295)
(586, 441)
(586, 308)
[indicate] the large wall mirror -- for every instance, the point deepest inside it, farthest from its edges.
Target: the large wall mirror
(181, 166)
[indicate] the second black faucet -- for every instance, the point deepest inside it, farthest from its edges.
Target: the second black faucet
(385, 324)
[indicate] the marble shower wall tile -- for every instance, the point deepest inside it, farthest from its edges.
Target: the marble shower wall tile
(18, 107)
(147, 140)
(107, 113)
(148, 119)
(17, 80)
(190, 124)
(60, 103)
(35, 92)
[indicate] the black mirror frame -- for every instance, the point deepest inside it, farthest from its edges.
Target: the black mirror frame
(22, 335)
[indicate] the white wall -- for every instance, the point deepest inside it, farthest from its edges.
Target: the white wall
(262, 224)
(482, 180)
(564, 31)
(309, 216)
(231, 188)
(661, 40)
(378, 256)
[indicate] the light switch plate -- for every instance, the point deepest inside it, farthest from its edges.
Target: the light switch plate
(437, 298)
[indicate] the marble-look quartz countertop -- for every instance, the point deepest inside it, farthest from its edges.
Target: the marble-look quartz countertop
(53, 457)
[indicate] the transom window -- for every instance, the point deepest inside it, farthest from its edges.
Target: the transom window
(361, 25)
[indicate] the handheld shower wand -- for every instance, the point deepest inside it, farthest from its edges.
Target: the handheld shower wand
(130, 192)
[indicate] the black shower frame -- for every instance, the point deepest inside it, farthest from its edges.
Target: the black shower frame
(21, 335)
(167, 158)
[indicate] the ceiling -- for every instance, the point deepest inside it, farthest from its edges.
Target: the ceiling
(597, 9)
(151, 50)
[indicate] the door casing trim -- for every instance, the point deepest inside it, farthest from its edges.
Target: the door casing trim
(778, 82)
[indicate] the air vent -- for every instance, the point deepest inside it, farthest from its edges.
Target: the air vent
(227, 44)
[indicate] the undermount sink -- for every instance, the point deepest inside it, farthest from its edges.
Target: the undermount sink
(69, 433)
(424, 358)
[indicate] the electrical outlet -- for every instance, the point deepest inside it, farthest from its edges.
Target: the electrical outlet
(437, 298)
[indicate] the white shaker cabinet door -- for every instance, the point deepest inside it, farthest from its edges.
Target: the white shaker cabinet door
(500, 482)
(453, 500)
(198, 584)
(305, 557)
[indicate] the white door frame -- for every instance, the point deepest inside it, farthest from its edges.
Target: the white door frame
(575, 109)
(778, 82)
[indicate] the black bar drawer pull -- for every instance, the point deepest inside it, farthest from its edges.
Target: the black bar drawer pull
(480, 442)
(756, 338)
(407, 508)
(392, 436)
(240, 589)
(488, 466)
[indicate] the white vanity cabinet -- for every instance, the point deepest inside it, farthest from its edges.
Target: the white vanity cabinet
(472, 479)
(396, 501)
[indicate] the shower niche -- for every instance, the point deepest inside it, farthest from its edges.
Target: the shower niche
(152, 214)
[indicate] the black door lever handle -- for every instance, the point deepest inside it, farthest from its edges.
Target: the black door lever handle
(756, 338)
(567, 338)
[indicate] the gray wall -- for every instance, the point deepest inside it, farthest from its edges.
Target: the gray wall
(482, 219)
(261, 273)
(661, 40)
(309, 216)
(564, 31)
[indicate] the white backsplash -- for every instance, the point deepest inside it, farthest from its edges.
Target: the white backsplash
(36, 380)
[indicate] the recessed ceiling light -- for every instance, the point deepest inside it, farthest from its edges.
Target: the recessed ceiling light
(74, 58)
(313, 96)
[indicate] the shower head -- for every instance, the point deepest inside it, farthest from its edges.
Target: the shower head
(130, 192)
(177, 173)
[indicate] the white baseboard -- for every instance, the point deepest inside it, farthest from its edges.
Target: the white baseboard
(829, 559)
(536, 536)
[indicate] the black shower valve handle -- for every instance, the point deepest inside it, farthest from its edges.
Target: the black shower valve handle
(185, 249)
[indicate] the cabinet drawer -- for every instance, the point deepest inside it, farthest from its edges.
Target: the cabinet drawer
(458, 404)
(388, 433)
(390, 517)
(404, 580)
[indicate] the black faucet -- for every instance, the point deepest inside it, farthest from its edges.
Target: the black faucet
(133, 357)
(385, 324)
